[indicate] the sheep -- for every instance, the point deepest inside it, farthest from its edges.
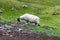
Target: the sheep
(29, 18)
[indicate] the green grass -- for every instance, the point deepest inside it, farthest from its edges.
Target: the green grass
(35, 7)
(49, 32)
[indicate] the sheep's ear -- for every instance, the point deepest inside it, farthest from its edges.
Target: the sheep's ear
(18, 19)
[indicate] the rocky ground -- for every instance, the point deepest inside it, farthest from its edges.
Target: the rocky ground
(21, 31)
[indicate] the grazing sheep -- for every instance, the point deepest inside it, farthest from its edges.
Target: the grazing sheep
(29, 18)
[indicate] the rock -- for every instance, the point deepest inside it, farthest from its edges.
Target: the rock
(7, 34)
(55, 13)
(2, 31)
(7, 26)
(13, 9)
(24, 6)
(11, 35)
(1, 11)
(20, 29)
(8, 31)
(0, 27)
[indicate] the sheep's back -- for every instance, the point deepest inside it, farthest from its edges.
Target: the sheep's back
(32, 18)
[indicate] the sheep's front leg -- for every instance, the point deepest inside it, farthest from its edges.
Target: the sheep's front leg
(35, 23)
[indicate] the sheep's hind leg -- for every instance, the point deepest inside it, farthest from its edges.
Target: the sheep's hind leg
(38, 24)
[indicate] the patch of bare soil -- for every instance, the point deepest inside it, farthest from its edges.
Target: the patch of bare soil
(27, 36)
(21, 31)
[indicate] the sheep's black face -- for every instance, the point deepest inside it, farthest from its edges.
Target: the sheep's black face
(18, 19)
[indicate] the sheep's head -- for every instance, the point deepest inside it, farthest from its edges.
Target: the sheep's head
(20, 18)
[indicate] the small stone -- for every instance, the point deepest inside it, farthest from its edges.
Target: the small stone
(24, 6)
(1, 11)
(11, 35)
(7, 34)
(55, 13)
(0, 27)
(26, 23)
(3, 34)
(13, 9)
(1, 8)
(8, 31)
(20, 29)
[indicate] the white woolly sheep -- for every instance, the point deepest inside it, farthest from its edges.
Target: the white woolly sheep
(29, 18)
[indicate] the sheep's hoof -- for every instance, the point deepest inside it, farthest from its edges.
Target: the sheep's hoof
(38, 25)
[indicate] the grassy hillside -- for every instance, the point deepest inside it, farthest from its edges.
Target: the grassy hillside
(42, 8)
